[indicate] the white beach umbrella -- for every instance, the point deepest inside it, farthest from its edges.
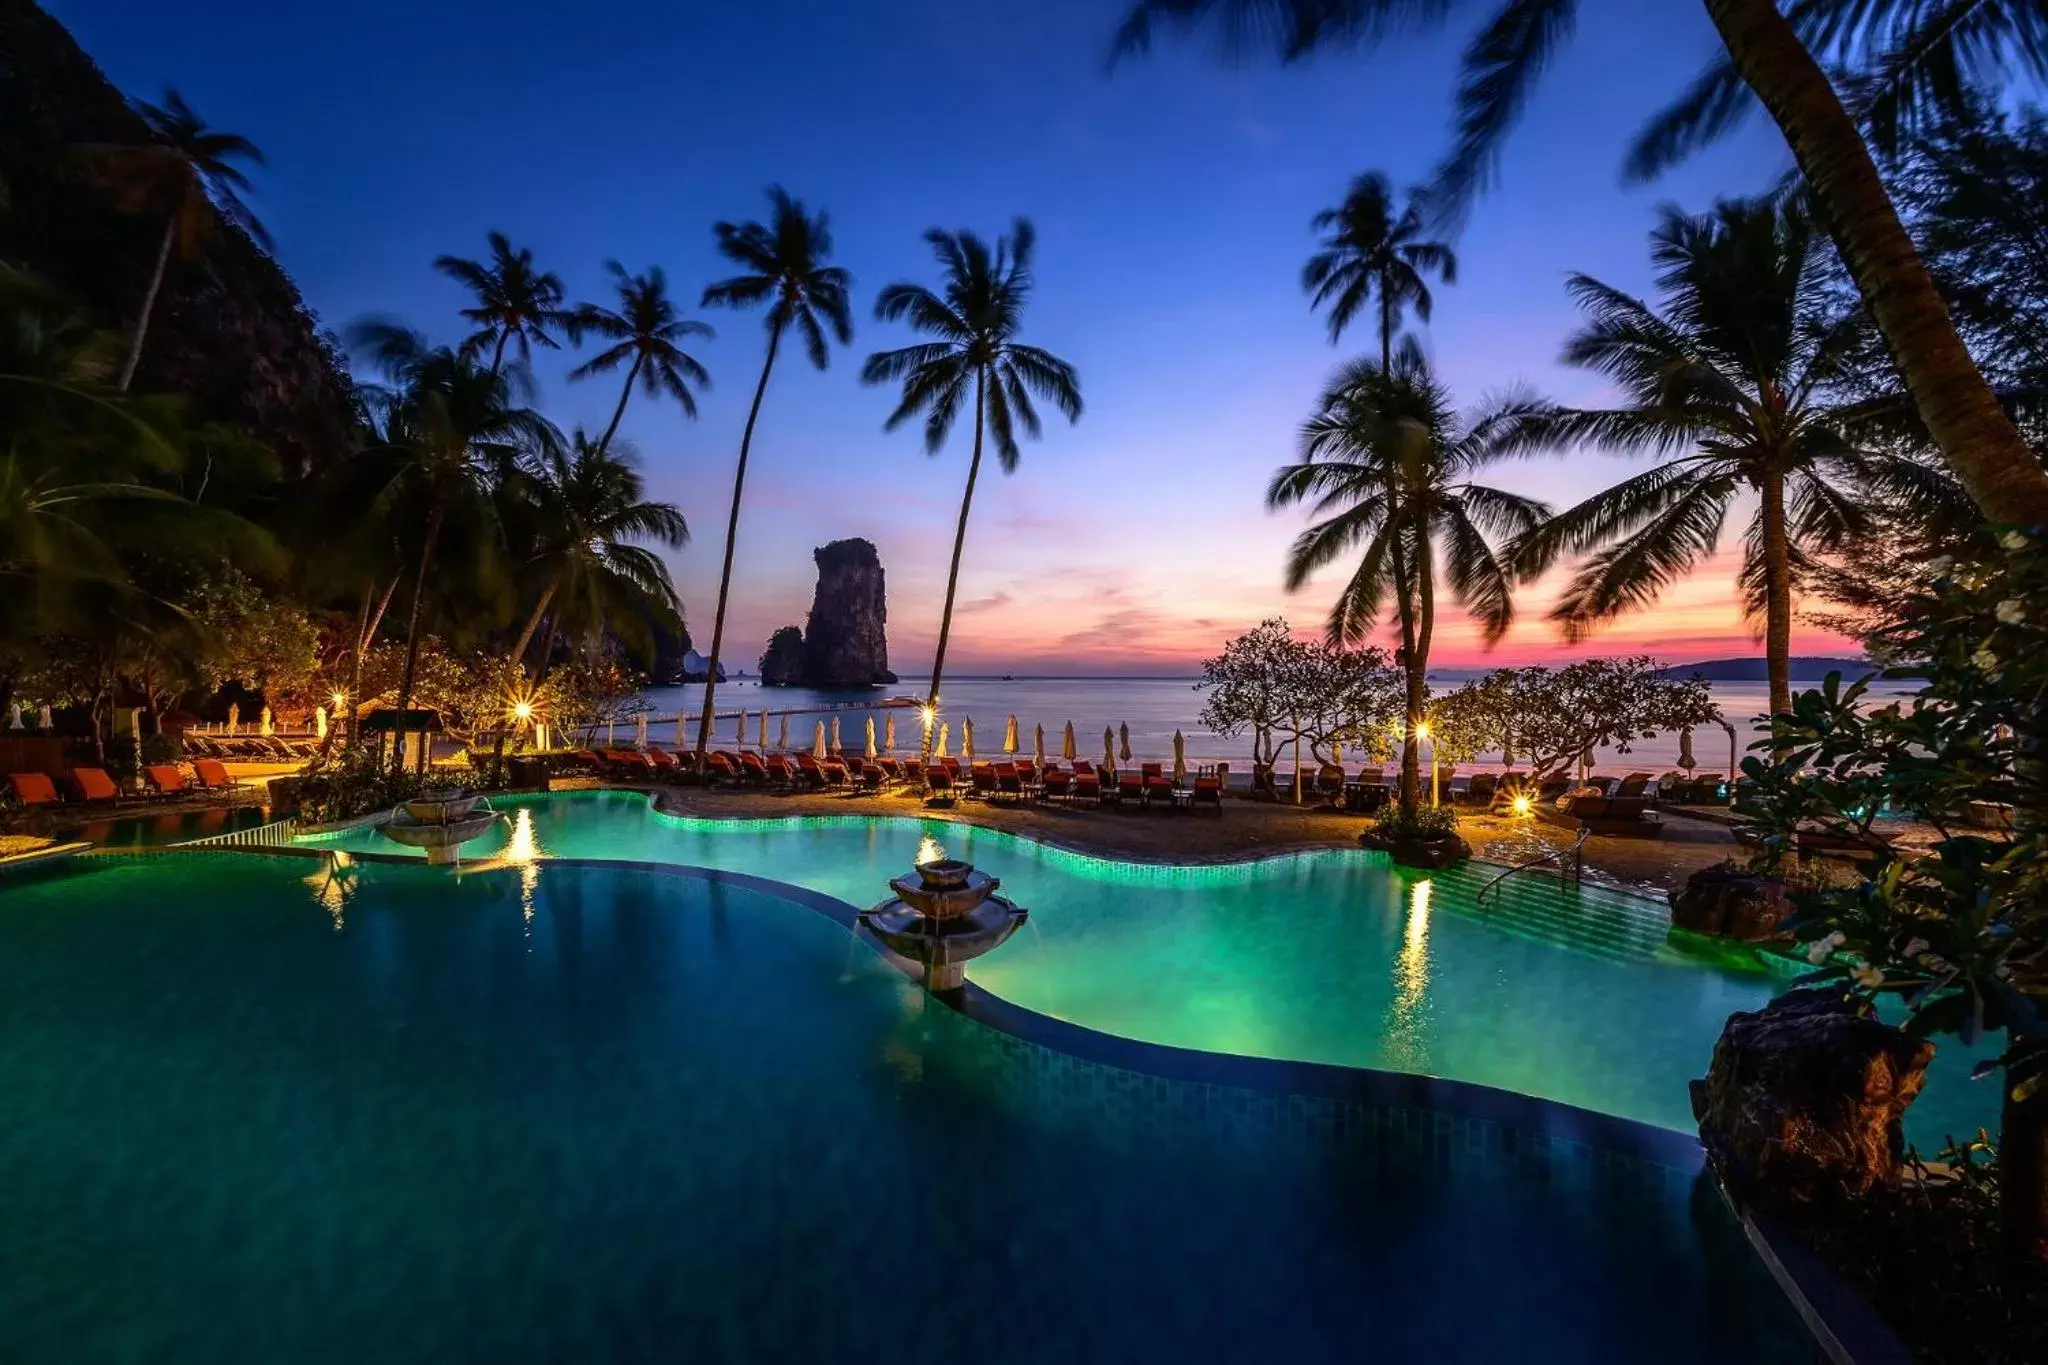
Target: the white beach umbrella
(889, 733)
(782, 732)
(740, 735)
(680, 723)
(1124, 733)
(1067, 750)
(871, 749)
(234, 718)
(762, 730)
(611, 733)
(14, 719)
(1685, 758)
(264, 725)
(47, 721)
(1336, 750)
(967, 739)
(818, 741)
(1180, 757)
(319, 722)
(1010, 735)
(1585, 764)
(837, 747)
(945, 733)
(1038, 746)
(640, 730)
(1108, 747)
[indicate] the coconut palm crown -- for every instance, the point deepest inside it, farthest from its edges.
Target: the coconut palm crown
(516, 304)
(644, 330)
(1368, 254)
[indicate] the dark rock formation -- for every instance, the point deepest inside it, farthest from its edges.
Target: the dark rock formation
(846, 644)
(1436, 850)
(783, 663)
(229, 333)
(671, 645)
(1730, 903)
(1804, 1098)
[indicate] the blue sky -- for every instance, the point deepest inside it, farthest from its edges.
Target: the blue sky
(1172, 199)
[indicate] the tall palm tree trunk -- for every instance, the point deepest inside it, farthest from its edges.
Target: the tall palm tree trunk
(1962, 414)
(632, 373)
(1404, 601)
(412, 633)
(1418, 671)
(732, 532)
(1777, 592)
(371, 621)
(540, 609)
(156, 282)
(498, 352)
(953, 573)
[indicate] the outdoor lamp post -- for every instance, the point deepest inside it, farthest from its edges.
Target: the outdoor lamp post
(1422, 735)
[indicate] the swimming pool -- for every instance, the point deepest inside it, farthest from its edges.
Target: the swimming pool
(1576, 994)
(574, 1113)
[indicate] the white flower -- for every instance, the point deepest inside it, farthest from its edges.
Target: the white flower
(1985, 660)
(1913, 948)
(2014, 540)
(2012, 612)
(1867, 976)
(1821, 949)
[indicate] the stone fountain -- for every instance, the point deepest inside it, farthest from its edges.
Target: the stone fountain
(439, 822)
(944, 915)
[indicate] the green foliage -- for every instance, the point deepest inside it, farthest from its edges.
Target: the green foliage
(1959, 930)
(350, 783)
(1552, 715)
(1276, 687)
(1417, 822)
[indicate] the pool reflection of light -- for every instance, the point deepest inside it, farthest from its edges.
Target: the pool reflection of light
(332, 884)
(1407, 1012)
(523, 851)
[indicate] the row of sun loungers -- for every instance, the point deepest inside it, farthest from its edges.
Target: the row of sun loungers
(251, 748)
(92, 786)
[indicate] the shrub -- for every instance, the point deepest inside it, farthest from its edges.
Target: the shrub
(1423, 822)
(350, 784)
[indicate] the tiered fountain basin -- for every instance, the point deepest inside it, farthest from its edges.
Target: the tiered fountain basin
(440, 823)
(943, 916)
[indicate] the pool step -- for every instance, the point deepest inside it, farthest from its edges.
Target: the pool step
(1582, 920)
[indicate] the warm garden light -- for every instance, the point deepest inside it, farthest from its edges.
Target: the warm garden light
(1523, 805)
(1422, 730)
(522, 711)
(340, 700)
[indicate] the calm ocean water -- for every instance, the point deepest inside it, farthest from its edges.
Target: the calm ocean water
(1153, 708)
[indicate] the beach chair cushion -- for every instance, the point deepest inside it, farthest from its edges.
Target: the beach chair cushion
(95, 785)
(165, 777)
(211, 773)
(34, 789)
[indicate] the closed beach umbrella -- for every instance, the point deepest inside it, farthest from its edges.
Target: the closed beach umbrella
(319, 722)
(1038, 745)
(48, 721)
(14, 719)
(818, 741)
(889, 733)
(1067, 750)
(740, 735)
(1180, 757)
(1336, 749)
(1010, 735)
(762, 730)
(1585, 765)
(1507, 751)
(782, 732)
(234, 718)
(680, 723)
(967, 739)
(836, 745)
(264, 724)
(1124, 733)
(1108, 747)
(1685, 758)
(945, 733)
(611, 732)
(640, 730)
(871, 737)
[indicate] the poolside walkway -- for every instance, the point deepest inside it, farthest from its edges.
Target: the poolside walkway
(1246, 829)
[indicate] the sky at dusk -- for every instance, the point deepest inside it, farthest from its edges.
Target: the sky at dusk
(1172, 199)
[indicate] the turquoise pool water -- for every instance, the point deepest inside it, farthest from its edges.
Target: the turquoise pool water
(567, 1113)
(1571, 994)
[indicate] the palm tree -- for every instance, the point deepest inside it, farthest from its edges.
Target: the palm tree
(186, 172)
(1368, 253)
(514, 301)
(643, 330)
(976, 323)
(451, 435)
(1387, 464)
(1739, 382)
(784, 261)
(1911, 61)
(592, 507)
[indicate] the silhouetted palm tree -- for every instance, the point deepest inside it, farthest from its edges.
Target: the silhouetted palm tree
(1738, 382)
(975, 321)
(643, 330)
(590, 506)
(451, 435)
(1371, 255)
(1387, 465)
(1907, 61)
(514, 302)
(785, 268)
(186, 172)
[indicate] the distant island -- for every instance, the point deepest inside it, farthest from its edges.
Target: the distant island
(1805, 668)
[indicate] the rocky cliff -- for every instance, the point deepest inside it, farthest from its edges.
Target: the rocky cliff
(783, 663)
(846, 644)
(230, 333)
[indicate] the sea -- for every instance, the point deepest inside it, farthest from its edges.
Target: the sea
(1153, 708)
